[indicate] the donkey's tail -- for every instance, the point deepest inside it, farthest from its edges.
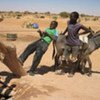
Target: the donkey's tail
(53, 54)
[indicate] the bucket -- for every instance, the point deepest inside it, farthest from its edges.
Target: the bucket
(11, 36)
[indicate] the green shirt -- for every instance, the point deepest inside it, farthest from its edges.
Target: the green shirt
(51, 32)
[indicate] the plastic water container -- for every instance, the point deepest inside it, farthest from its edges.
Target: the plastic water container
(35, 25)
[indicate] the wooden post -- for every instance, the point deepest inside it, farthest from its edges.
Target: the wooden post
(9, 58)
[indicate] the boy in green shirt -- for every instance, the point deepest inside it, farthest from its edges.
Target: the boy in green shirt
(40, 46)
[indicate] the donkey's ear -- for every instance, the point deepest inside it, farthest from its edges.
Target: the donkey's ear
(91, 30)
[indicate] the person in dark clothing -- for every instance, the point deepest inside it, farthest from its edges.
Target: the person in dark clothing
(73, 41)
(40, 46)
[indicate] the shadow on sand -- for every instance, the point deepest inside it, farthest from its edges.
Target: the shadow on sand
(45, 69)
(96, 72)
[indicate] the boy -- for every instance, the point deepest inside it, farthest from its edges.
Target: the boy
(73, 41)
(40, 46)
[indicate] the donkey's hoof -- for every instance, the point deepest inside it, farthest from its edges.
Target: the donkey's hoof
(82, 71)
(89, 74)
(60, 72)
(70, 75)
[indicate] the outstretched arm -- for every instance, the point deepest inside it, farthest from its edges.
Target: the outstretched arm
(86, 30)
(65, 31)
(40, 33)
(53, 37)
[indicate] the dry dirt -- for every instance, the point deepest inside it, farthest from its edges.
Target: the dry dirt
(46, 85)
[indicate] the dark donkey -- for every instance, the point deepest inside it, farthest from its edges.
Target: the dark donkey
(94, 43)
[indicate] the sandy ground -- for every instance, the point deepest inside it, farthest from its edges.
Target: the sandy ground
(46, 85)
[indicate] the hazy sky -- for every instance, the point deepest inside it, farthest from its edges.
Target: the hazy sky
(91, 7)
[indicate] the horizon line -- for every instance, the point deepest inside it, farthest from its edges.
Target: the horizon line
(45, 12)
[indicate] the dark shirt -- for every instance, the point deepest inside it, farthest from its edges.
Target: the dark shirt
(73, 36)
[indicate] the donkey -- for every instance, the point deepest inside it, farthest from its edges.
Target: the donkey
(93, 42)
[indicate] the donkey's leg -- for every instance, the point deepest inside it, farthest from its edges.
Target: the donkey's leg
(62, 67)
(90, 66)
(64, 60)
(56, 62)
(73, 66)
(82, 65)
